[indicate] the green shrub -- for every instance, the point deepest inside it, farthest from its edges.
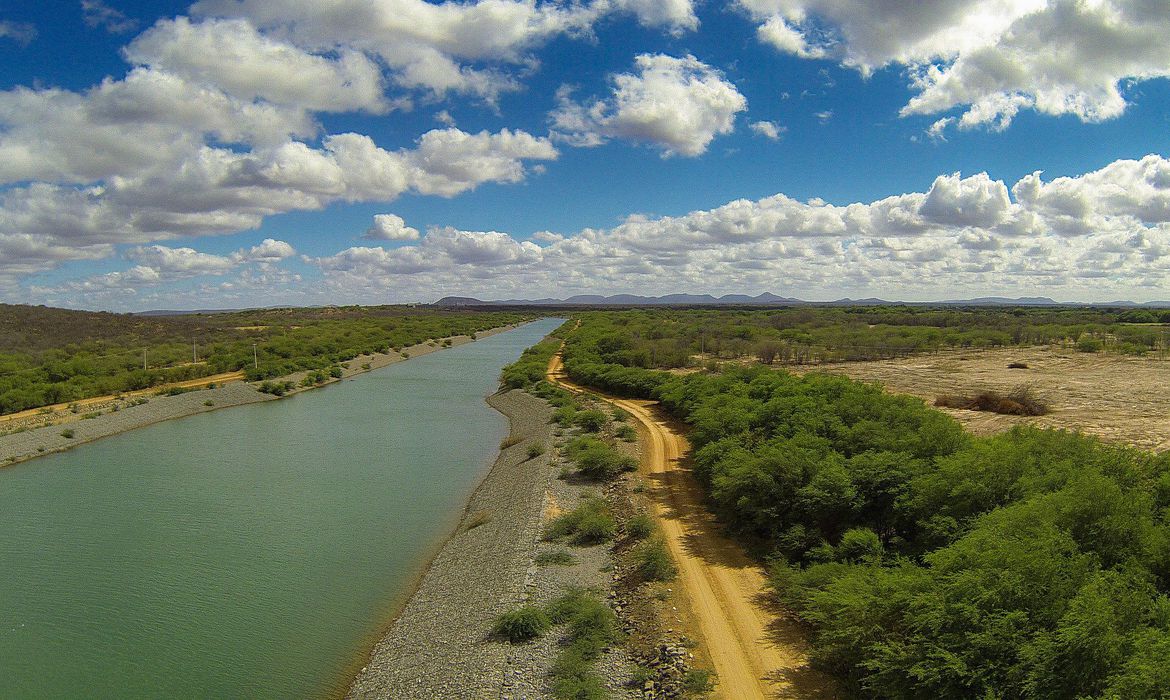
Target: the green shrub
(626, 432)
(698, 682)
(67, 433)
(521, 625)
(640, 526)
(589, 523)
(535, 450)
(603, 463)
(591, 421)
(652, 561)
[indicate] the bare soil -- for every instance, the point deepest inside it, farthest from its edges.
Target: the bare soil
(1117, 398)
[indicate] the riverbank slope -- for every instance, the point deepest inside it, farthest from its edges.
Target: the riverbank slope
(32, 434)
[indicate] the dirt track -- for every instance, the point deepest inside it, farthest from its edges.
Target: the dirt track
(756, 651)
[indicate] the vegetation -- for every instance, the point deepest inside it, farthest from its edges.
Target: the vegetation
(589, 523)
(592, 627)
(597, 461)
(521, 625)
(652, 561)
(927, 562)
(532, 365)
(50, 356)
(555, 557)
(1021, 401)
(535, 450)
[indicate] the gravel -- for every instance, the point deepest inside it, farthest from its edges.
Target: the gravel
(34, 442)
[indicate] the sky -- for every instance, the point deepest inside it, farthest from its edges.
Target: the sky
(244, 153)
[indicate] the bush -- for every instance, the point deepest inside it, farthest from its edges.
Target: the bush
(67, 433)
(626, 432)
(1089, 344)
(1021, 401)
(640, 526)
(603, 463)
(591, 421)
(521, 625)
(698, 682)
(478, 519)
(588, 523)
(652, 561)
(564, 416)
(535, 450)
(510, 441)
(1017, 365)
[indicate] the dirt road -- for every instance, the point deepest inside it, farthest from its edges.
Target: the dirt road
(756, 651)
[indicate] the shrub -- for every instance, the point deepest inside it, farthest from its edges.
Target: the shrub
(521, 625)
(652, 561)
(591, 421)
(1089, 344)
(626, 432)
(564, 416)
(603, 463)
(640, 526)
(1017, 365)
(621, 416)
(1021, 401)
(535, 450)
(67, 433)
(209, 402)
(698, 682)
(510, 441)
(588, 523)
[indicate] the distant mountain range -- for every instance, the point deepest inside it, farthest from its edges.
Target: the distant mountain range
(768, 299)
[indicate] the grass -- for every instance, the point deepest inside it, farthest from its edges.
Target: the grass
(640, 526)
(698, 682)
(510, 441)
(626, 432)
(555, 557)
(521, 625)
(67, 433)
(592, 627)
(653, 562)
(587, 524)
(1021, 401)
(535, 450)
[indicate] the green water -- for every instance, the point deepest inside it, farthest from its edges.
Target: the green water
(249, 552)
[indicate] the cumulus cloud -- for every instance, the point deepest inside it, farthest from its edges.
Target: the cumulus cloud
(390, 227)
(1103, 233)
(677, 104)
(235, 57)
(769, 130)
(990, 57)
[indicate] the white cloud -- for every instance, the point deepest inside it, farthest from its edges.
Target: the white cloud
(21, 32)
(677, 16)
(1099, 235)
(767, 129)
(678, 104)
(390, 227)
(990, 57)
(98, 14)
(233, 56)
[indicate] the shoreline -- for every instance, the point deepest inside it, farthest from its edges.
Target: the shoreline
(493, 542)
(43, 434)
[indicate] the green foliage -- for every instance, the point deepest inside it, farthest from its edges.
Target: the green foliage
(67, 433)
(530, 368)
(626, 432)
(587, 524)
(928, 563)
(591, 421)
(698, 682)
(52, 356)
(640, 526)
(652, 561)
(555, 557)
(521, 625)
(535, 450)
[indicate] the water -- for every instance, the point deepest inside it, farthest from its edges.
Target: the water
(249, 552)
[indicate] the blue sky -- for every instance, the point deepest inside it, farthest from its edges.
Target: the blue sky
(235, 153)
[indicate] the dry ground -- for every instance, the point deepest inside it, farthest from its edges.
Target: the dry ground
(1117, 398)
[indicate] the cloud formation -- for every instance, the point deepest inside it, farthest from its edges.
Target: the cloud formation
(991, 58)
(390, 227)
(678, 105)
(21, 32)
(1102, 233)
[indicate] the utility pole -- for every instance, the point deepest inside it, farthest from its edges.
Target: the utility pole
(255, 357)
(194, 353)
(143, 359)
